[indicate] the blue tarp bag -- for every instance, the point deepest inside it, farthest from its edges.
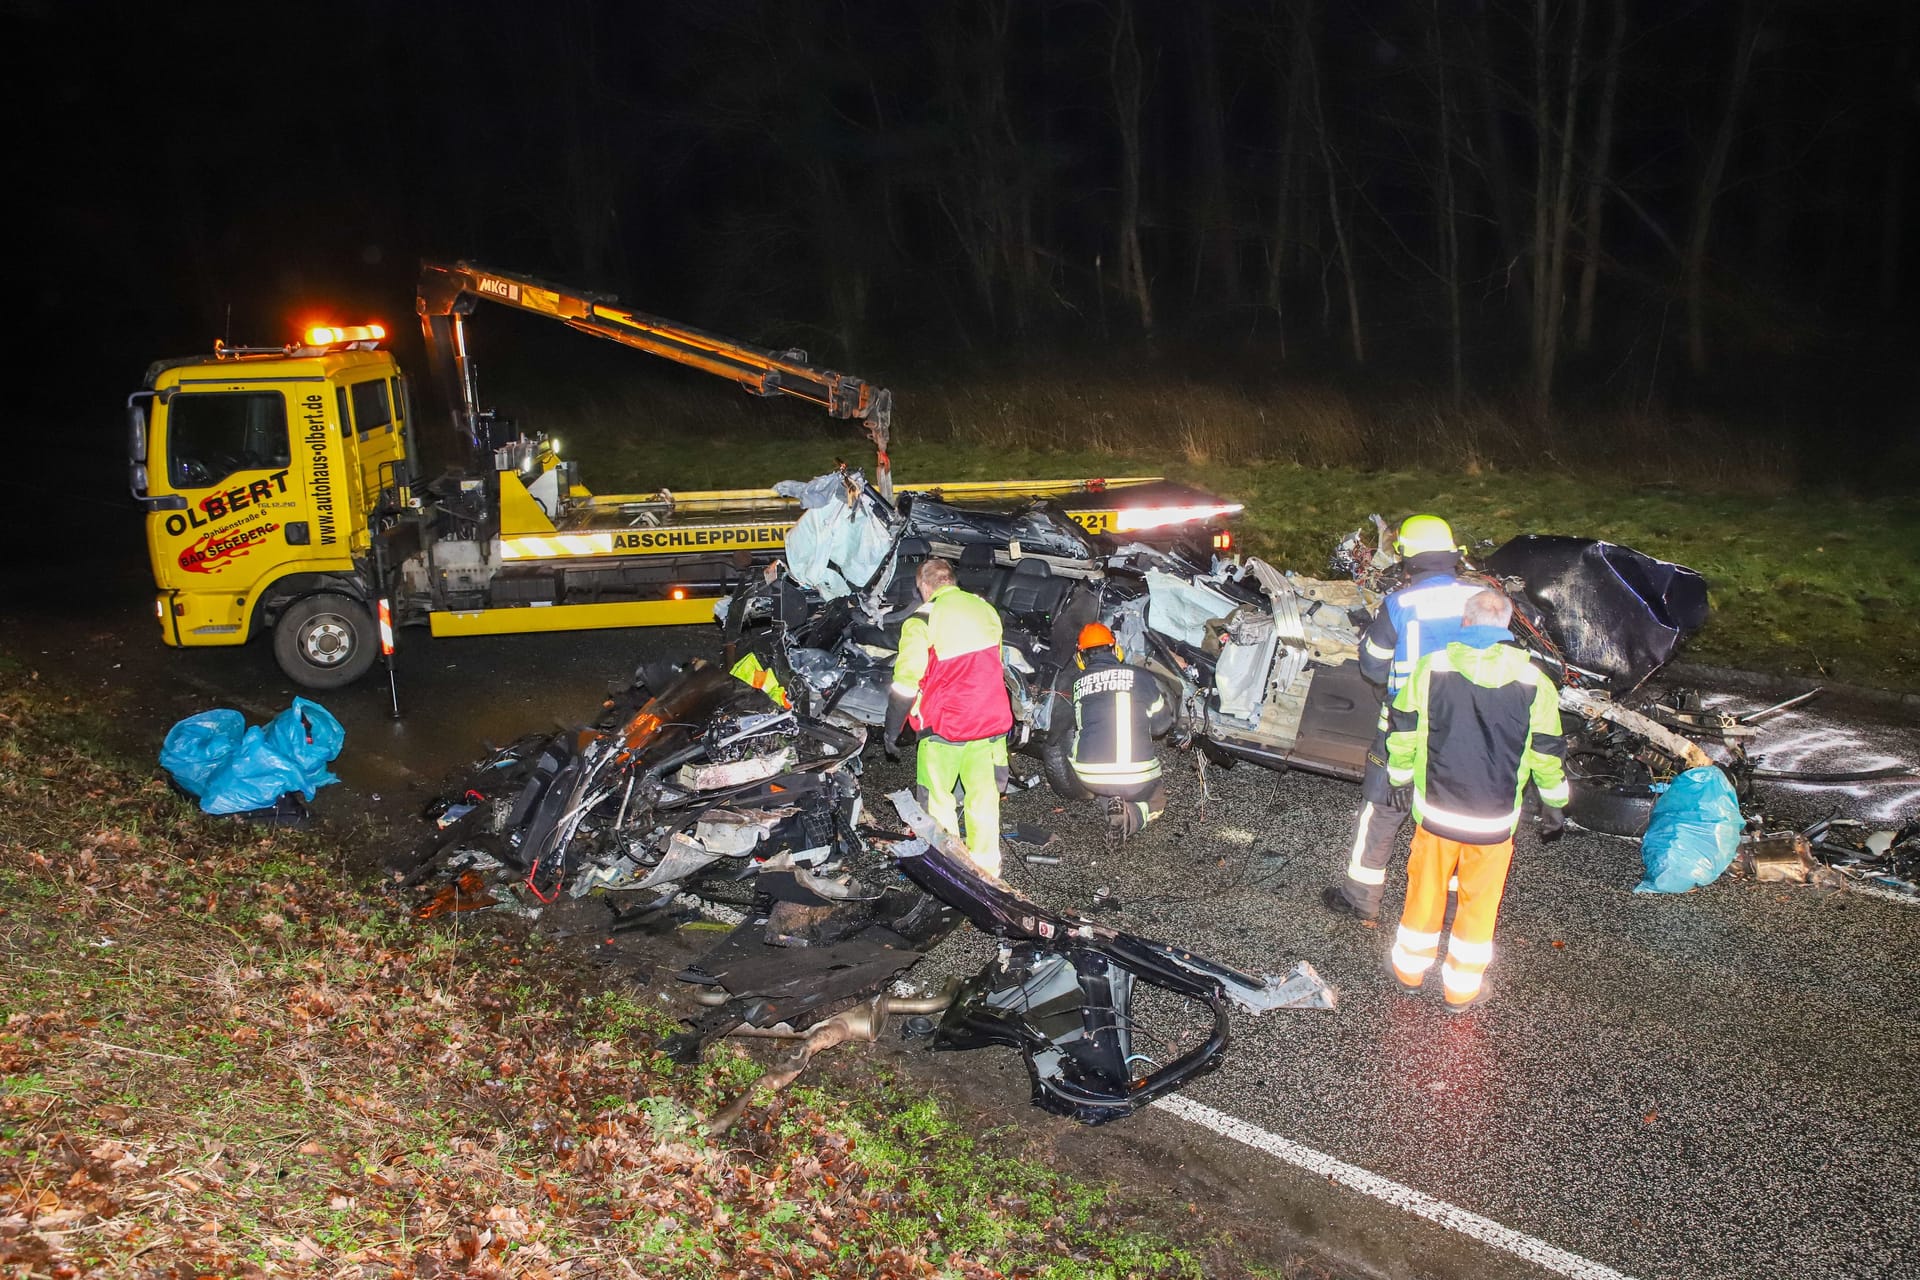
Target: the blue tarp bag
(234, 769)
(197, 747)
(1693, 833)
(254, 777)
(307, 734)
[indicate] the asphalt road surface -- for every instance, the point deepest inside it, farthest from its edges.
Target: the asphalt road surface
(1716, 1084)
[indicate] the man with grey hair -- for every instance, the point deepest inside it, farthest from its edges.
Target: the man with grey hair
(1417, 618)
(1475, 723)
(1488, 608)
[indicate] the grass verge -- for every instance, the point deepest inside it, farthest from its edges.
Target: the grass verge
(222, 1055)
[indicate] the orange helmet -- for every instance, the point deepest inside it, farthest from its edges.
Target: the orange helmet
(1095, 635)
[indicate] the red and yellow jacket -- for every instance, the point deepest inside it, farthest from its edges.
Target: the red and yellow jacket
(948, 669)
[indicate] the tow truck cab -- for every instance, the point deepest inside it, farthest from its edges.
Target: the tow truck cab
(259, 471)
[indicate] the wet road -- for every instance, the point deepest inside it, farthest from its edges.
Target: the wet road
(1718, 1084)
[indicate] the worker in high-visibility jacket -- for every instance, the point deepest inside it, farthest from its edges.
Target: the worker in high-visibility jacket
(1416, 619)
(1118, 710)
(1473, 725)
(948, 683)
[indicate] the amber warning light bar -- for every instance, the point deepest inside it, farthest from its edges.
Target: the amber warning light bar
(332, 335)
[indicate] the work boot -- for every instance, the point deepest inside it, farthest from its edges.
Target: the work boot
(1398, 984)
(1115, 836)
(1480, 997)
(1335, 899)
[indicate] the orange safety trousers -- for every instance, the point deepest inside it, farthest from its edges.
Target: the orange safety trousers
(1481, 871)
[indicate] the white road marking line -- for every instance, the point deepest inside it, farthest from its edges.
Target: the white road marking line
(1888, 895)
(1419, 1203)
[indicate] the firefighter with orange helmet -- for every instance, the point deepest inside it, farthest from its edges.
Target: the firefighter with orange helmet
(1118, 710)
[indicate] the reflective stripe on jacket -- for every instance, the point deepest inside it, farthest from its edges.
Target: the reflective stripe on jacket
(1420, 618)
(949, 663)
(1473, 725)
(1117, 711)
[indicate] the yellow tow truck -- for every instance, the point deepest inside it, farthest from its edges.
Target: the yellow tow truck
(282, 492)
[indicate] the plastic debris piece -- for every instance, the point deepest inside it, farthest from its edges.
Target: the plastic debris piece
(467, 893)
(452, 814)
(712, 777)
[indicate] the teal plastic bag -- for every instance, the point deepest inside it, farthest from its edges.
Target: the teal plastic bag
(1693, 833)
(254, 777)
(197, 746)
(307, 734)
(234, 769)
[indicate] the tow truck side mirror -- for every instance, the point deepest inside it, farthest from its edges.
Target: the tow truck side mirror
(137, 458)
(137, 448)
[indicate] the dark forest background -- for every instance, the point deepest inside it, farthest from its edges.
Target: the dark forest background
(1696, 212)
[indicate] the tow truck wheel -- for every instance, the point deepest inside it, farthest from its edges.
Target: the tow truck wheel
(325, 641)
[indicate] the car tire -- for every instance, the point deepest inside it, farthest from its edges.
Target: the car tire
(325, 641)
(1611, 810)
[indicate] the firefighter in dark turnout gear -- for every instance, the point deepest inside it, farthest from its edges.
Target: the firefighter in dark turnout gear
(1416, 619)
(1473, 725)
(1118, 710)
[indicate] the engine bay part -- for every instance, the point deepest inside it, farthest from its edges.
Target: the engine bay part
(708, 773)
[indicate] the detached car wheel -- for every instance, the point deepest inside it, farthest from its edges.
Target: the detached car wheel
(1607, 795)
(325, 641)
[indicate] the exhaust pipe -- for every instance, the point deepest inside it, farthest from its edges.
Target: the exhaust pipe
(863, 1023)
(883, 1005)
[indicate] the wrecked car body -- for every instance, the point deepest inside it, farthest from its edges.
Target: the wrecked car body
(1262, 664)
(1288, 693)
(708, 785)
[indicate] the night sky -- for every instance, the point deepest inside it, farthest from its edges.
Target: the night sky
(922, 189)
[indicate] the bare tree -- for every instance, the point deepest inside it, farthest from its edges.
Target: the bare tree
(1449, 217)
(1694, 261)
(989, 205)
(1213, 247)
(1899, 140)
(1595, 242)
(1341, 239)
(1292, 102)
(1552, 196)
(1495, 160)
(1127, 75)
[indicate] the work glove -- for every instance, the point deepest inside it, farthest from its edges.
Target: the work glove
(897, 709)
(1553, 821)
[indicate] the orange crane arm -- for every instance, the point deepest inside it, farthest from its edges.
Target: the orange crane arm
(448, 293)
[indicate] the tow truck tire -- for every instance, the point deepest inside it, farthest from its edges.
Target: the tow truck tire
(325, 641)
